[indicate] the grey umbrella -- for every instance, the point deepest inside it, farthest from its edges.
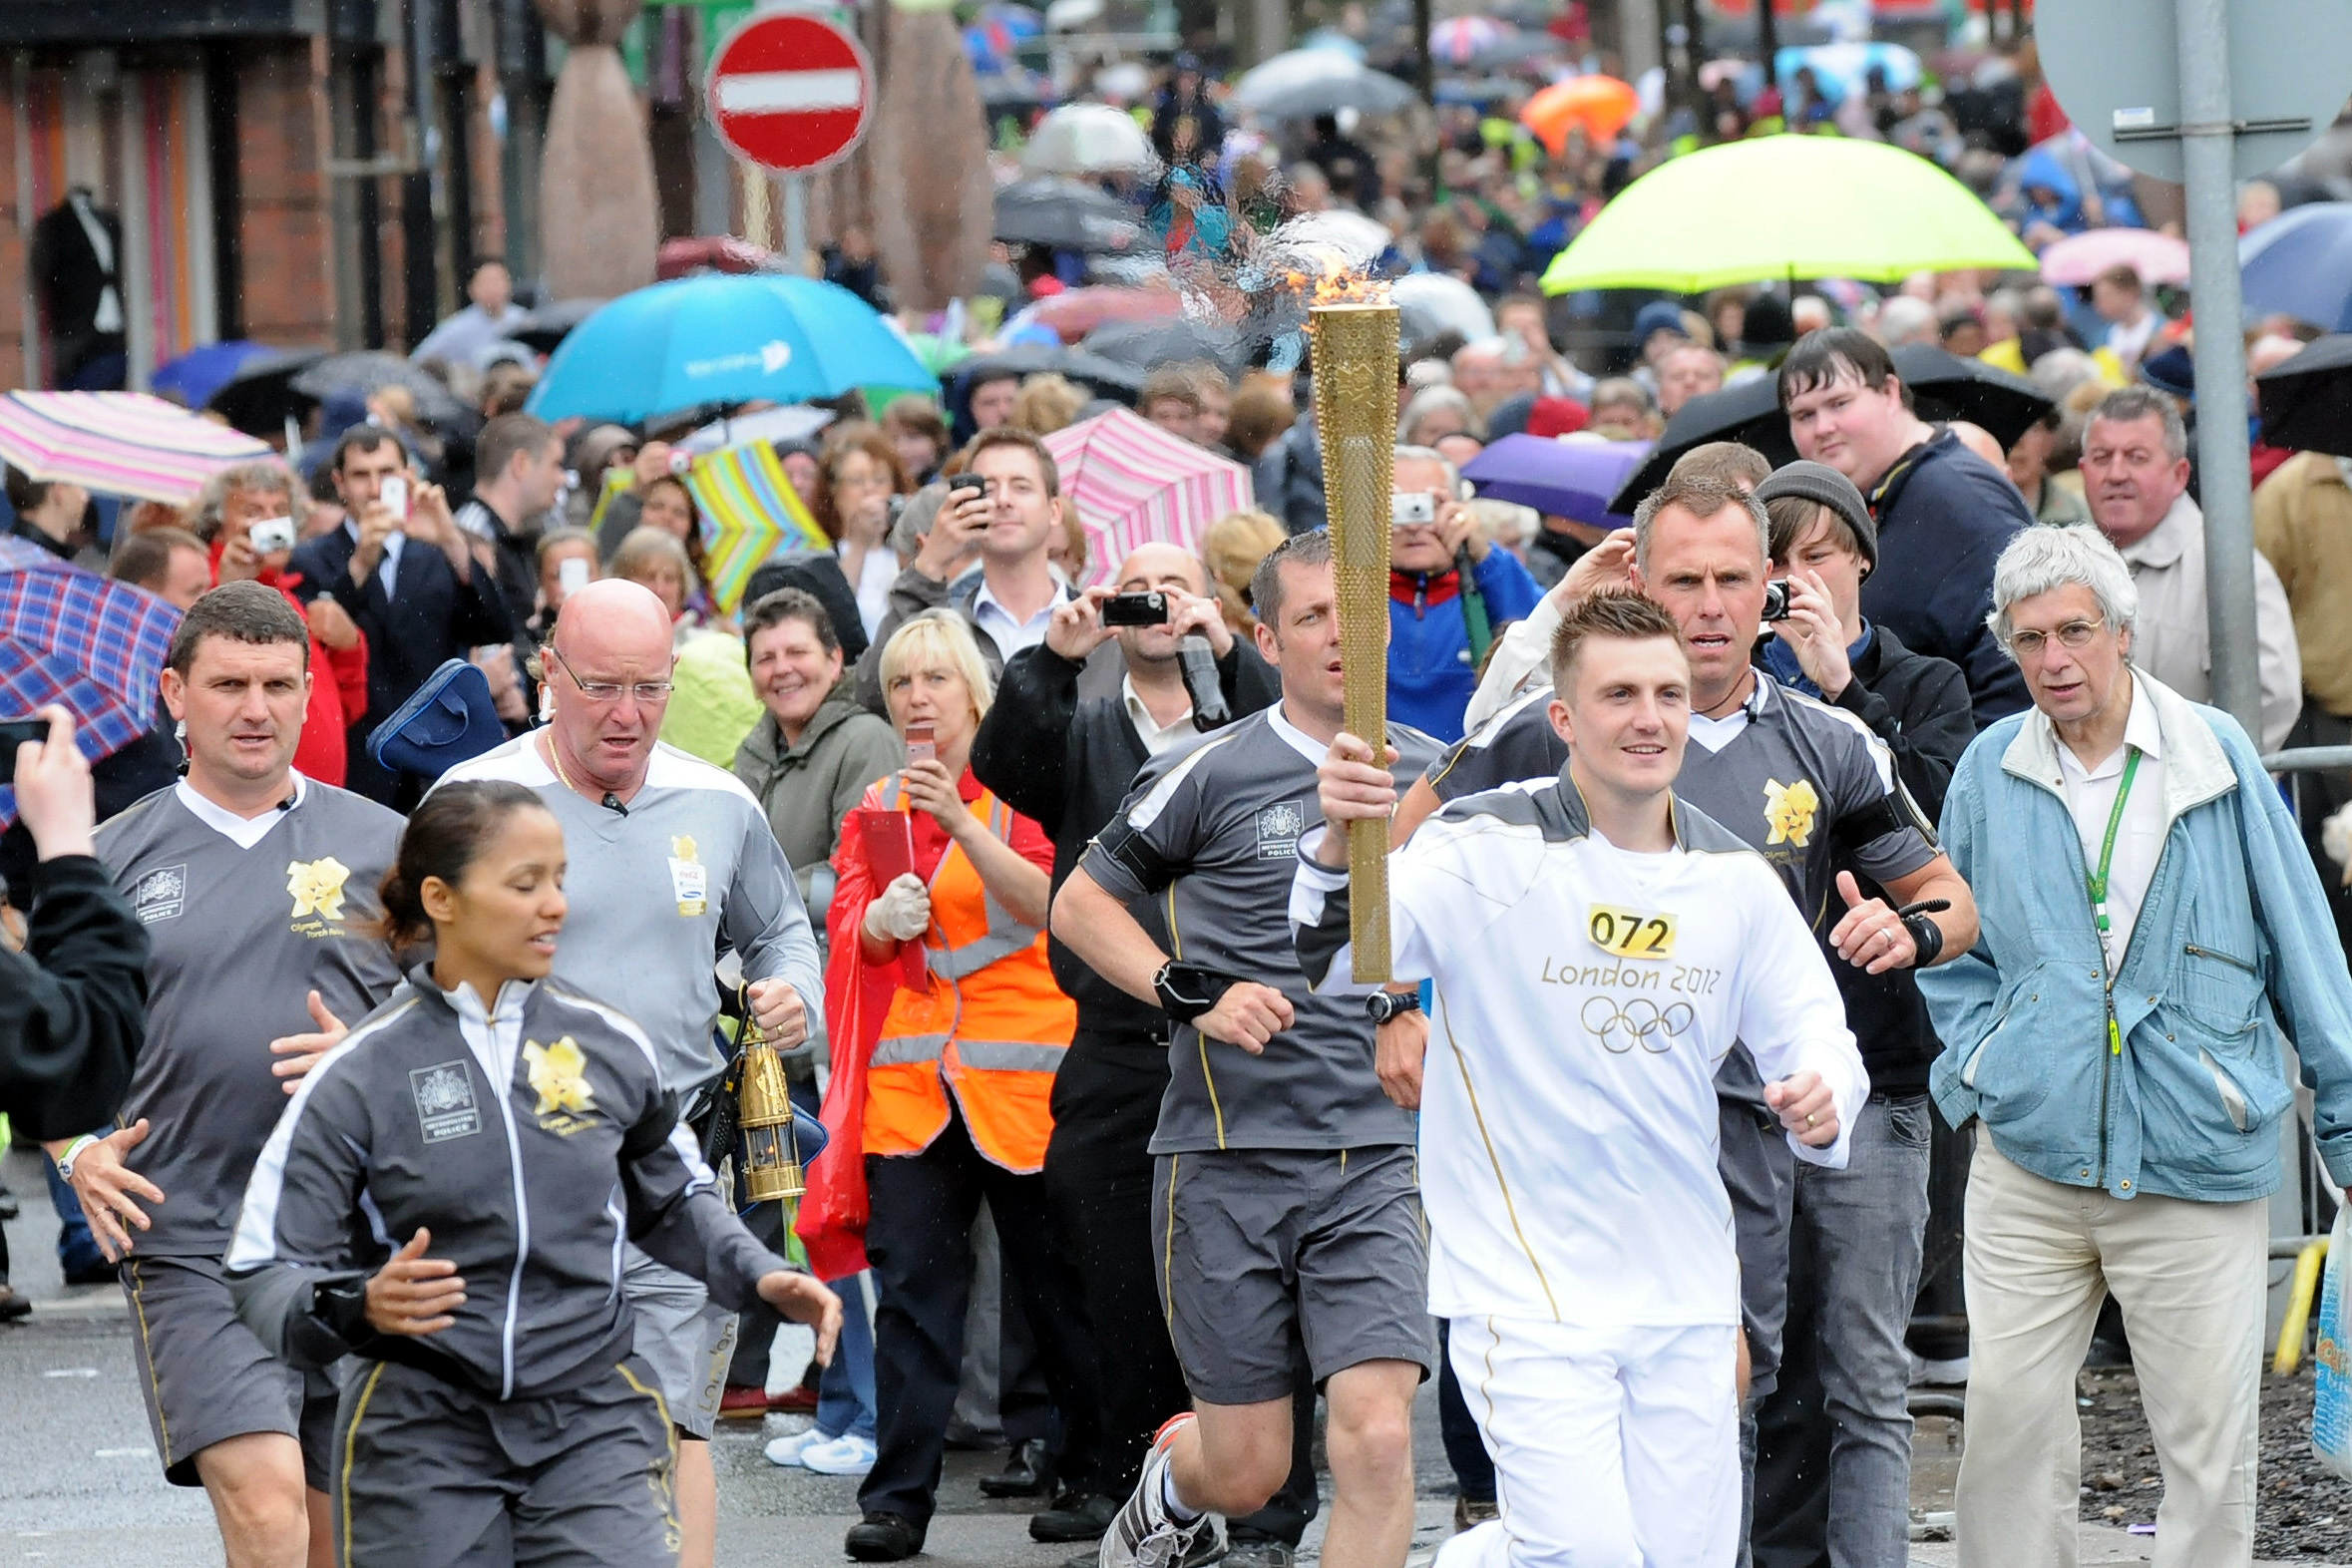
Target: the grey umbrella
(1066, 215)
(1304, 83)
(372, 372)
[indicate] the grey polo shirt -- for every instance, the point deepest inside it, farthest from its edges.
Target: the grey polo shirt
(246, 918)
(1211, 834)
(656, 892)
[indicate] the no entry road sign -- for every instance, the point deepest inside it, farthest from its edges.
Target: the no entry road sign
(790, 91)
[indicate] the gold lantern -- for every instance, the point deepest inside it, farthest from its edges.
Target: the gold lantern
(771, 1149)
(1354, 347)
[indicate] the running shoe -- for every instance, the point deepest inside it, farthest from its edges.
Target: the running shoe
(847, 1454)
(786, 1452)
(743, 1403)
(1144, 1535)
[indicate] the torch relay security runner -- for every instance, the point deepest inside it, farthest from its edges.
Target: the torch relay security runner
(1580, 1239)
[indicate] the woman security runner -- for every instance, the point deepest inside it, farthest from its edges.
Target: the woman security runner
(495, 1412)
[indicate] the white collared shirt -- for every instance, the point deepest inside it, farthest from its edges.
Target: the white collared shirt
(1156, 738)
(2140, 838)
(1011, 635)
(388, 565)
(243, 832)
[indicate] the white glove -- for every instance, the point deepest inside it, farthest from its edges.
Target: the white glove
(903, 913)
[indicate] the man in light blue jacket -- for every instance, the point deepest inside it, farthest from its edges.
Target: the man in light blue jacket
(2152, 926)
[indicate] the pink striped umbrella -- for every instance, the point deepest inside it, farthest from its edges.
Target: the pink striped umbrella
(1134, 483)
(119, 443)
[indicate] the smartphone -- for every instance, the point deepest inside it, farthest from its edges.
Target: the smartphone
(271, 535)
(17, 732)
(1135, 610)
(919, 747)
(1413, 511)
(573, 575)
(394, 494)
(972, 482)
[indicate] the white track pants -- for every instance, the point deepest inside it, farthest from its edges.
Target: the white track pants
(1612, 1448)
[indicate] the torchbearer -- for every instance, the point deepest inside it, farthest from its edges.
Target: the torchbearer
(1597, 948)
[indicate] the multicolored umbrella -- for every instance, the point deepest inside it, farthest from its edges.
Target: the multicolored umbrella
(1134, 483)
(1462, 39)
(749, 512)
(91, 645)
(1077, 312)
(119, 443)
(990, 42)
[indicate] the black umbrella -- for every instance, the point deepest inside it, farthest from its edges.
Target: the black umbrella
(1149, 344)
(1066, 215)
(2306, 402)
(259, 398)
(1106, 376)
(550, 324)
(1943, 387)
(372, 370)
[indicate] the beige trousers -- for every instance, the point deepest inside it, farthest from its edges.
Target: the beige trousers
(2190, 1277)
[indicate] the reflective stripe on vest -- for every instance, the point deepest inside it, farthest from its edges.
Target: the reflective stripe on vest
(907, 1049)
(1006, 1056)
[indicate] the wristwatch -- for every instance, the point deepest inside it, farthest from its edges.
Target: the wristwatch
(1186, 990)
(1381, 1006)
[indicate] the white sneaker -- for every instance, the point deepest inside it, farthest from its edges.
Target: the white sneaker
(1144, 1535)
(847, 1454)
(787, 1451)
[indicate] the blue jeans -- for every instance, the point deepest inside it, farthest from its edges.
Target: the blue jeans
(844, 1390)
(1860, 1233)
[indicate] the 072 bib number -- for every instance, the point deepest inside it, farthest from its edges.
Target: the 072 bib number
(1630, 934)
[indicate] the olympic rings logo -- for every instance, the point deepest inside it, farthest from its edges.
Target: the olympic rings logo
(1640, 1021)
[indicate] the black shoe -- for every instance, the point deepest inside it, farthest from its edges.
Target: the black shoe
(100, 1273)
(882, 1538)
(1023, 1474)
(1074, 1516)
(8, 1208)
(14, 1303)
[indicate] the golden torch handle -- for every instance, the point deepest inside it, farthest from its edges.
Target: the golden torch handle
(1355, 415)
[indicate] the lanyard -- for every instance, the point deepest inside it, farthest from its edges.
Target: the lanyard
(2106, 851)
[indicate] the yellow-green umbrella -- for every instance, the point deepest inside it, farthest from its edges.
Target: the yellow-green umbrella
(1785, 207)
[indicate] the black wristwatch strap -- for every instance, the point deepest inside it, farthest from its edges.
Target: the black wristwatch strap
(1186, 990)
(1381, 1006)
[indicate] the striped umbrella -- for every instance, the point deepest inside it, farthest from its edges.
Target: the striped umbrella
(1459, 40)
(93, 645)
(117, 443)
(749, 512)
(1134, 483)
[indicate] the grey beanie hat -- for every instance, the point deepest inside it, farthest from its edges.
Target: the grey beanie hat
(1818, 482)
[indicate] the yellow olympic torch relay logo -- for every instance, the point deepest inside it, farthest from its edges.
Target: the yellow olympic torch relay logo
(559, 1073)
(1788, 812)
(317, 887)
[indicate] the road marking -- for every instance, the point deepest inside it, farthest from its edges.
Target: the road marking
(145, 1450)
(70, 1371)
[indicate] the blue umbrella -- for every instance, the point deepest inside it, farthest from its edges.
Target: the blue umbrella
(721, 340)
(1562, 479)
(2300, 264)
(195, 376)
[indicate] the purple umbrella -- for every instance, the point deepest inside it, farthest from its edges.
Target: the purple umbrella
(1565, 479)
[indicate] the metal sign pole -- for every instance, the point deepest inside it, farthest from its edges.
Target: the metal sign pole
(2224, 484)
(796, 225)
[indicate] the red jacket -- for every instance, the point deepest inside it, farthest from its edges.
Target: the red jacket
(338, 687)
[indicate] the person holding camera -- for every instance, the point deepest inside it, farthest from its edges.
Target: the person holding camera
(984, 556)
(73, 1004)
(1068, 762)
(1450, 592)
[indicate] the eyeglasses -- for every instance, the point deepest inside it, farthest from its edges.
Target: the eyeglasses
(2074, 634)
(647, 691)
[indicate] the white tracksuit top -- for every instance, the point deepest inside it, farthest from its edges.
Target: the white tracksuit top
(1584, 996)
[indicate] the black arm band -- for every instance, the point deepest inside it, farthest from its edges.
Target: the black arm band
(1186, 990)
(1927, 936)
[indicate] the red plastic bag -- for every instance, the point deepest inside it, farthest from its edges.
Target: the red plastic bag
(834, 1210)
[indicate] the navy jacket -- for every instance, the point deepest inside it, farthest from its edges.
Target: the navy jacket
(1944, 517)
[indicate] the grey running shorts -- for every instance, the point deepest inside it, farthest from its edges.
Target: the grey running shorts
(1261, 1250)
(205, 1378)
(686, 1339)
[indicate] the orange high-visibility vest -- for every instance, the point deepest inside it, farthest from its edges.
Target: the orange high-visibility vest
(991, 1023)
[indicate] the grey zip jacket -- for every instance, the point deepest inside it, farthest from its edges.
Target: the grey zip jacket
(531, 1140)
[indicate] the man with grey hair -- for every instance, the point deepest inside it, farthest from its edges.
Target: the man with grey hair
(2136, 478)
(1449, 590)
(2130, 1091)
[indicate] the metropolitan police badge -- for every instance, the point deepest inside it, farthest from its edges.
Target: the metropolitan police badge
(444, 1094)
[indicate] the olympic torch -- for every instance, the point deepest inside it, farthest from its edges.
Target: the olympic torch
(1355, 348)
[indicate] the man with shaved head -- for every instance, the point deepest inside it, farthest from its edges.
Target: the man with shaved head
(1068, 762)
(671, 861)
